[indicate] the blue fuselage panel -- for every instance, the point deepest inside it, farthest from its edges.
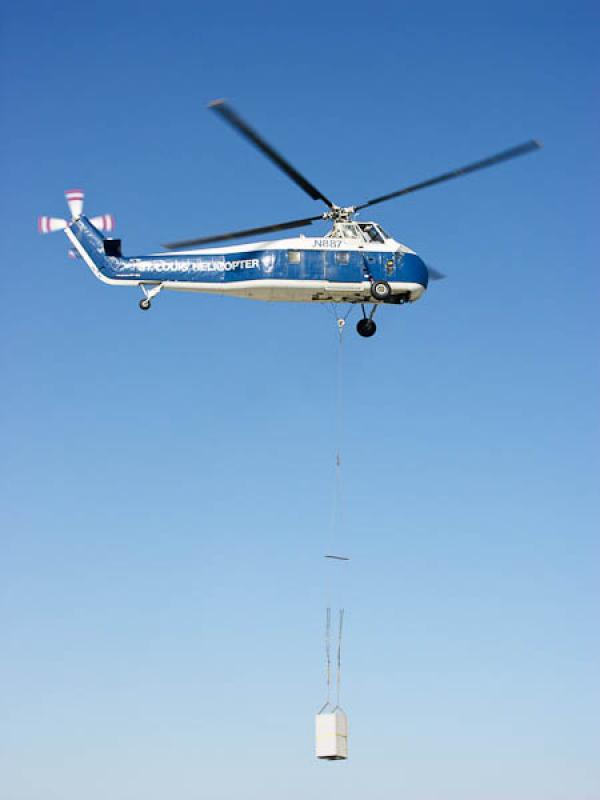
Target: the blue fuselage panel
(347, 266)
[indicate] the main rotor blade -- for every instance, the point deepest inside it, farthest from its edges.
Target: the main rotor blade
(223, 237)
(435, 274)
(505, 155)
(230, 116)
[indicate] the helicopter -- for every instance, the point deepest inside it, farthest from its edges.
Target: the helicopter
(354, 262)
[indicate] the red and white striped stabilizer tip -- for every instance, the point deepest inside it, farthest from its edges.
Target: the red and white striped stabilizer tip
(74, 198)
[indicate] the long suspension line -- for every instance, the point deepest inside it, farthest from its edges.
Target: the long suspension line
(336, 523)
(331, 723)
(337, 504)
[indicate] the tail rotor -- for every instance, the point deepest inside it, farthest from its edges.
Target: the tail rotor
(75, 198)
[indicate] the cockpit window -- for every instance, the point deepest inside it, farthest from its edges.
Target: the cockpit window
(361, 231)
(373, 232)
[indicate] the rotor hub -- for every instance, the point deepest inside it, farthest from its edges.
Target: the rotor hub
(340, 214)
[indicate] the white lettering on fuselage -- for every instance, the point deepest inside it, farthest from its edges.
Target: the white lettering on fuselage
(331, 244)
(169, 265)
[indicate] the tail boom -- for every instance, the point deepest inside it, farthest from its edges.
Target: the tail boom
(88, 242)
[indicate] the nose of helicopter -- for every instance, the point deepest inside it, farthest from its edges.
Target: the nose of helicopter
(412, 268)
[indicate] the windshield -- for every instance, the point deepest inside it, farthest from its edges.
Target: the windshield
(373, 232)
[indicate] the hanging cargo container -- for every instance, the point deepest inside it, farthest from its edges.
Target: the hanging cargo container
(331, 733)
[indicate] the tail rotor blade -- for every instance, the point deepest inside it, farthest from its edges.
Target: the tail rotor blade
(104, 222)
(51, 224)
(74, 198)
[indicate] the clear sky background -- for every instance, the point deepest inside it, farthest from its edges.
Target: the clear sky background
(167, 476)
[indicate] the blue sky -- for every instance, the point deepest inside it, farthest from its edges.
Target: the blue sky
(167, 477)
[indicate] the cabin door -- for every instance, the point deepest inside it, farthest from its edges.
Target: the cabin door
(343, 266)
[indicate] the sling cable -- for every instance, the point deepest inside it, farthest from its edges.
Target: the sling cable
(331, 722)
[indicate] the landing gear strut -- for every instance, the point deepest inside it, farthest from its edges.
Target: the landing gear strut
(150, 290)
(366, 326)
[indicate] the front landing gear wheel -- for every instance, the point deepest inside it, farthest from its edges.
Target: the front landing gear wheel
(381, 290)
(366, 327)
(145, 304)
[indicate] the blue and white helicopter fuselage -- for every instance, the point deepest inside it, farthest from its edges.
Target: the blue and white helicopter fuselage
(343, 266)
(354, 262)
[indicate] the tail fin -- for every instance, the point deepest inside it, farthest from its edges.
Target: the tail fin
(91, 245)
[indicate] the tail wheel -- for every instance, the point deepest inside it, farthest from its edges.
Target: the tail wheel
(366, 327)
(381, 290)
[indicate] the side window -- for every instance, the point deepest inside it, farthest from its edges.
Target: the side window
(342, 258)
(294, 257)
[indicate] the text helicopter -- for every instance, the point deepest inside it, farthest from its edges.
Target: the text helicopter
(354, 262)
